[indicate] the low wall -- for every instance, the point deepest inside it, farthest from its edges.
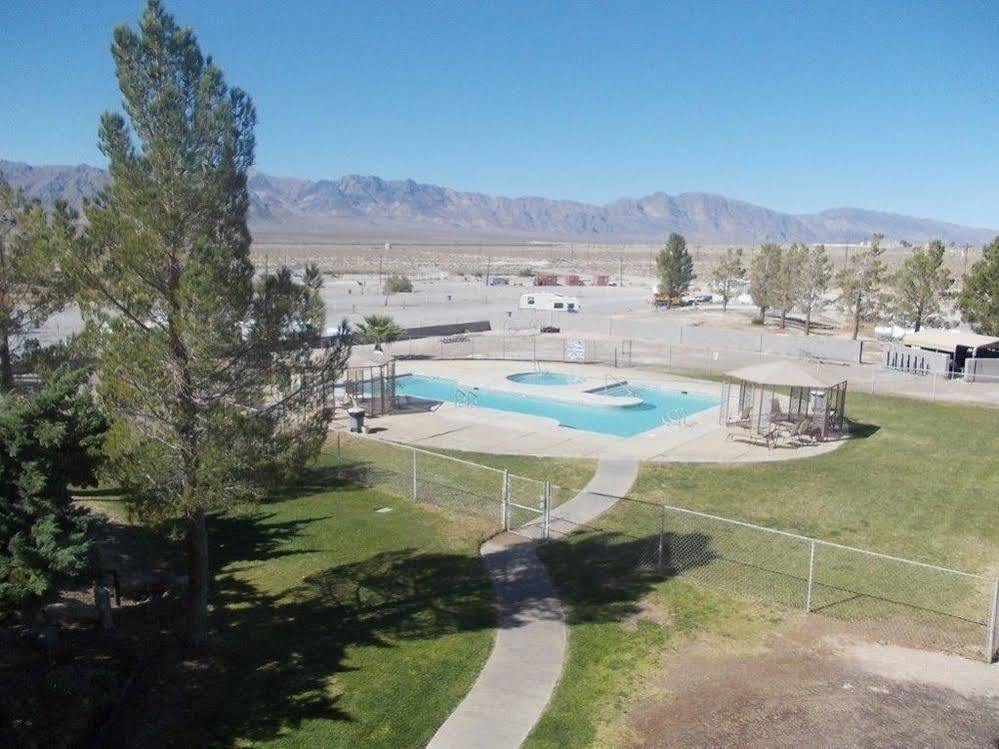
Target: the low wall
(669, 331)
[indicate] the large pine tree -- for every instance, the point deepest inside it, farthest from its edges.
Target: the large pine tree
(211, 380)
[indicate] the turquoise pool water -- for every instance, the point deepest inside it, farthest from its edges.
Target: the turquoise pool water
(624, 421)
(545, 378)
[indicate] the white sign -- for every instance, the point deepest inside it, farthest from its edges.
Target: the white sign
(575, 350)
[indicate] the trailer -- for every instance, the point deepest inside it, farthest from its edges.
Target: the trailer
(549, 302)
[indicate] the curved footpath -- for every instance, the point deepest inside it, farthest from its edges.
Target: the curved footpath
(524, 667)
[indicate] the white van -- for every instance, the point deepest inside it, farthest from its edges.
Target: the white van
(549, 302)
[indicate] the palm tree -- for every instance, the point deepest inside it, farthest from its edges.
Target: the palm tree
(378, 329)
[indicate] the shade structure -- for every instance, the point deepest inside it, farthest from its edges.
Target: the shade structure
(784, 401)
(783, 374)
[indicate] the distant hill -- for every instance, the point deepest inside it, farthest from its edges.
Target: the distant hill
(359, 205)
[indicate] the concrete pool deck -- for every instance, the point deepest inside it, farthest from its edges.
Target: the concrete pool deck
(457, 427)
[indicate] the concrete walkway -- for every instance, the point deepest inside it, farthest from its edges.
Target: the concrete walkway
(524, 667)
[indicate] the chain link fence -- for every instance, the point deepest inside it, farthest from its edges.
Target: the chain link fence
(877, 595)
(683, 359)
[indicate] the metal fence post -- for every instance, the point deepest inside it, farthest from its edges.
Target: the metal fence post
(415, 493)
(546, 510)
(505, 501)
(811, 576)
(339, 458)
(991, 645)
(662, 537)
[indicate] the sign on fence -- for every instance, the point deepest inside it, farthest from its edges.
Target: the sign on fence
(575, 349)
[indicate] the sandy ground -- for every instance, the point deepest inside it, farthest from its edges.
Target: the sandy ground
(815, 685)
(345, 254)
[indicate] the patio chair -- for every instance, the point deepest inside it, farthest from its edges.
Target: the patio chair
(797, 434)
(776, 414)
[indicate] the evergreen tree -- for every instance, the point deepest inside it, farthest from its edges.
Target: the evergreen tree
(675, 266)
(49, 440)
(921, 284)
(212, 383)
(31, 286)
(979, 300)
(787, 289)
(728, 275)
(816, 274)
(764, 277)
(860, 284)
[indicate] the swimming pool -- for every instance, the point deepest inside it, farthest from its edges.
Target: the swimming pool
(545, 378)
(622, 421)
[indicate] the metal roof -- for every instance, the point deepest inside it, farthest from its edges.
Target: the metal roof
(948, 340)
(784, 373)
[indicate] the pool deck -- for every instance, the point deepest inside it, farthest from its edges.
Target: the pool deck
(457, 427)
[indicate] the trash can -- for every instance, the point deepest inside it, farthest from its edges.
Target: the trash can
(356, 419)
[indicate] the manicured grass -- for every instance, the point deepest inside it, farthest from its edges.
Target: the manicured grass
(625, 622)
(921, 483)
(474, 487)
(571, 473)
(340, 625)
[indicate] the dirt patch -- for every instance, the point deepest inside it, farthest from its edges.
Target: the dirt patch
(646, 611)
(813, 686)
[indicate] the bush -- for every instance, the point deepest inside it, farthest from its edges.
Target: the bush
(398, 285)
(527, 273)
(757, 320)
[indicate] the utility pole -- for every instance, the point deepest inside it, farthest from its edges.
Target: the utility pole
(620, 262)
(967, 248)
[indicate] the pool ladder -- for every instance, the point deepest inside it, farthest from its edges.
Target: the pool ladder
(677, 417)
(467, 398)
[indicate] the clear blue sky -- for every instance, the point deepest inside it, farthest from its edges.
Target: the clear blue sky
(798, 106)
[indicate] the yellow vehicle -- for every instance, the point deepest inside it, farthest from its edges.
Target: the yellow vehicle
(662, 299)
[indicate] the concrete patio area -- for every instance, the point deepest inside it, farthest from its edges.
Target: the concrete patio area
(700, 438)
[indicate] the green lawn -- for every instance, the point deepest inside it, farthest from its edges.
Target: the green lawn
(922, 484)
(343, 626)
(474, 487)
(572, 473)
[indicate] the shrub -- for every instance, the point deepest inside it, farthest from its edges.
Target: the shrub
(398, 285)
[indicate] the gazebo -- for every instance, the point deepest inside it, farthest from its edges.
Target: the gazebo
(369, 381)
(784, 399)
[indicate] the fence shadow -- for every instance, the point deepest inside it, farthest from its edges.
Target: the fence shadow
(603, 575)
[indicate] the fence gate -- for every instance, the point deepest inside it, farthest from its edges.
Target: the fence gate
(527, 504)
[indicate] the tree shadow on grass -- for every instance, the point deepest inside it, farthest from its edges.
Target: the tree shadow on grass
(278, 651)
(603, 575)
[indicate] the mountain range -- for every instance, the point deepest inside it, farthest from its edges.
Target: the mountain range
(370, 206)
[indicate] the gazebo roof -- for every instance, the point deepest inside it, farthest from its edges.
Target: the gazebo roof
(784, 374)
